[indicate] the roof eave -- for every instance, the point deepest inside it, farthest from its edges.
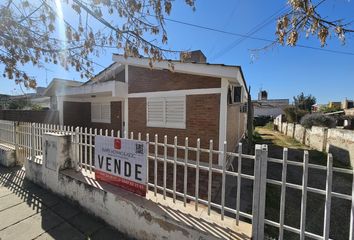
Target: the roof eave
(210, 70)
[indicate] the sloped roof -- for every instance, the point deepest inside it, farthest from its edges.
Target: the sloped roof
(197, 64)
(59, 83)
(104, 75)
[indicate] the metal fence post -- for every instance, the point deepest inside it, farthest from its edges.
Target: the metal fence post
(76, 161)
(15, 139)
(259, 191)
(32, 142)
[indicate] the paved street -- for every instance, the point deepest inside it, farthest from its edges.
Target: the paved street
(30, 212)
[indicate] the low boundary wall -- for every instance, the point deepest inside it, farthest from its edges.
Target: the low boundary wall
(41, 116)
(299, 133)
(339, 142)
(141, 218)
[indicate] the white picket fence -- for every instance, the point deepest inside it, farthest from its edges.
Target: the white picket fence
(27, 140)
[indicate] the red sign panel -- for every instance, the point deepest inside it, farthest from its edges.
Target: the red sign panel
(121, 162)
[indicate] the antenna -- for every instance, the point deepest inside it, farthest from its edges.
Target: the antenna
(46, 77)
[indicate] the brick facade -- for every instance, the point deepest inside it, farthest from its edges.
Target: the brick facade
(147, 80)
(79, 114)
(202, 121)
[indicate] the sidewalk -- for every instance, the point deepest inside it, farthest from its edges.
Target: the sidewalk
(29, 212)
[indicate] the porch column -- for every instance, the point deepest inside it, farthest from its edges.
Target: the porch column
(223, 117)
(60, 101)
(126, 117)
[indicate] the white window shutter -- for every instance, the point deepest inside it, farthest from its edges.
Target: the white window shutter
(101, 112)
(166, 112)
(106, 112)
(155, 112)
(175, 112)
(95, 112)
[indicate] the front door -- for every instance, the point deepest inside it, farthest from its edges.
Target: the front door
(116, 116)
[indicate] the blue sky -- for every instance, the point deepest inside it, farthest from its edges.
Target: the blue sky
(283, 71)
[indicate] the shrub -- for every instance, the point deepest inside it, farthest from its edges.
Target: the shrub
(36, 107)
(318, 119)
(18, 104)
(261, 120)
(293, 114)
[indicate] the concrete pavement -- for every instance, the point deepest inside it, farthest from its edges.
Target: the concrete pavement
(28, 211)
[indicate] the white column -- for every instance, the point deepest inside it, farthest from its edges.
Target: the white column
(60, 102)
(223, 116)
(126, 105)
(126, 116)
(126, 71)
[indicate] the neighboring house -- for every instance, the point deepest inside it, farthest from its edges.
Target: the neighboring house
(334, 104)
(36, 98)
(4, 100)
(43, 97)
(347, 104)
(196, 100)
(58, 84)
(268, 107)
(318, 107)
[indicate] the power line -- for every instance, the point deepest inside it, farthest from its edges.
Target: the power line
(254, 38)
(254, 30)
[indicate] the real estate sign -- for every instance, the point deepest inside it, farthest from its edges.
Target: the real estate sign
(121, 162)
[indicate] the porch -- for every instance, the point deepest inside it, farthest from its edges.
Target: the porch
(100, 105)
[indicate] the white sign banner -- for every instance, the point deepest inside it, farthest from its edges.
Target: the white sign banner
(121, 162)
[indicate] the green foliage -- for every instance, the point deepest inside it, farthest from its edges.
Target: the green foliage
(304, 102)
(294, 114)
(261, 120)
(327, 109)
(36, 107)
(269, 125)
(318, 119)
(18, 104)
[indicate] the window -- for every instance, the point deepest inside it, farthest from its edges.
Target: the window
(235, 94)
(168, 112)
(101, 112)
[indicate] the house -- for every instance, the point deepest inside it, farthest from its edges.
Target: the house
(4, 100)
(334, 105)
(318, 107)
(264, 107)
(43, 97)
(347, 104)
(35, 98)
(191, 99)
(57, 84)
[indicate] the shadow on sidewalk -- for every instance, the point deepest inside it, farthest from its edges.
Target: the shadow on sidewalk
(31, 212)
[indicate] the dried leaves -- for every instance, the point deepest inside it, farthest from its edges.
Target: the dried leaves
(304, 18)
(29, 33)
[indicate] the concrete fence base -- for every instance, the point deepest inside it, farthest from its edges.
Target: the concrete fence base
(142, 218)
(7, 155)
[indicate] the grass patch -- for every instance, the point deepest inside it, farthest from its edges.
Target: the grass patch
(268, 135)
(269, 125)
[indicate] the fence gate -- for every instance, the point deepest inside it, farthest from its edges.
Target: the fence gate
(260, 189)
